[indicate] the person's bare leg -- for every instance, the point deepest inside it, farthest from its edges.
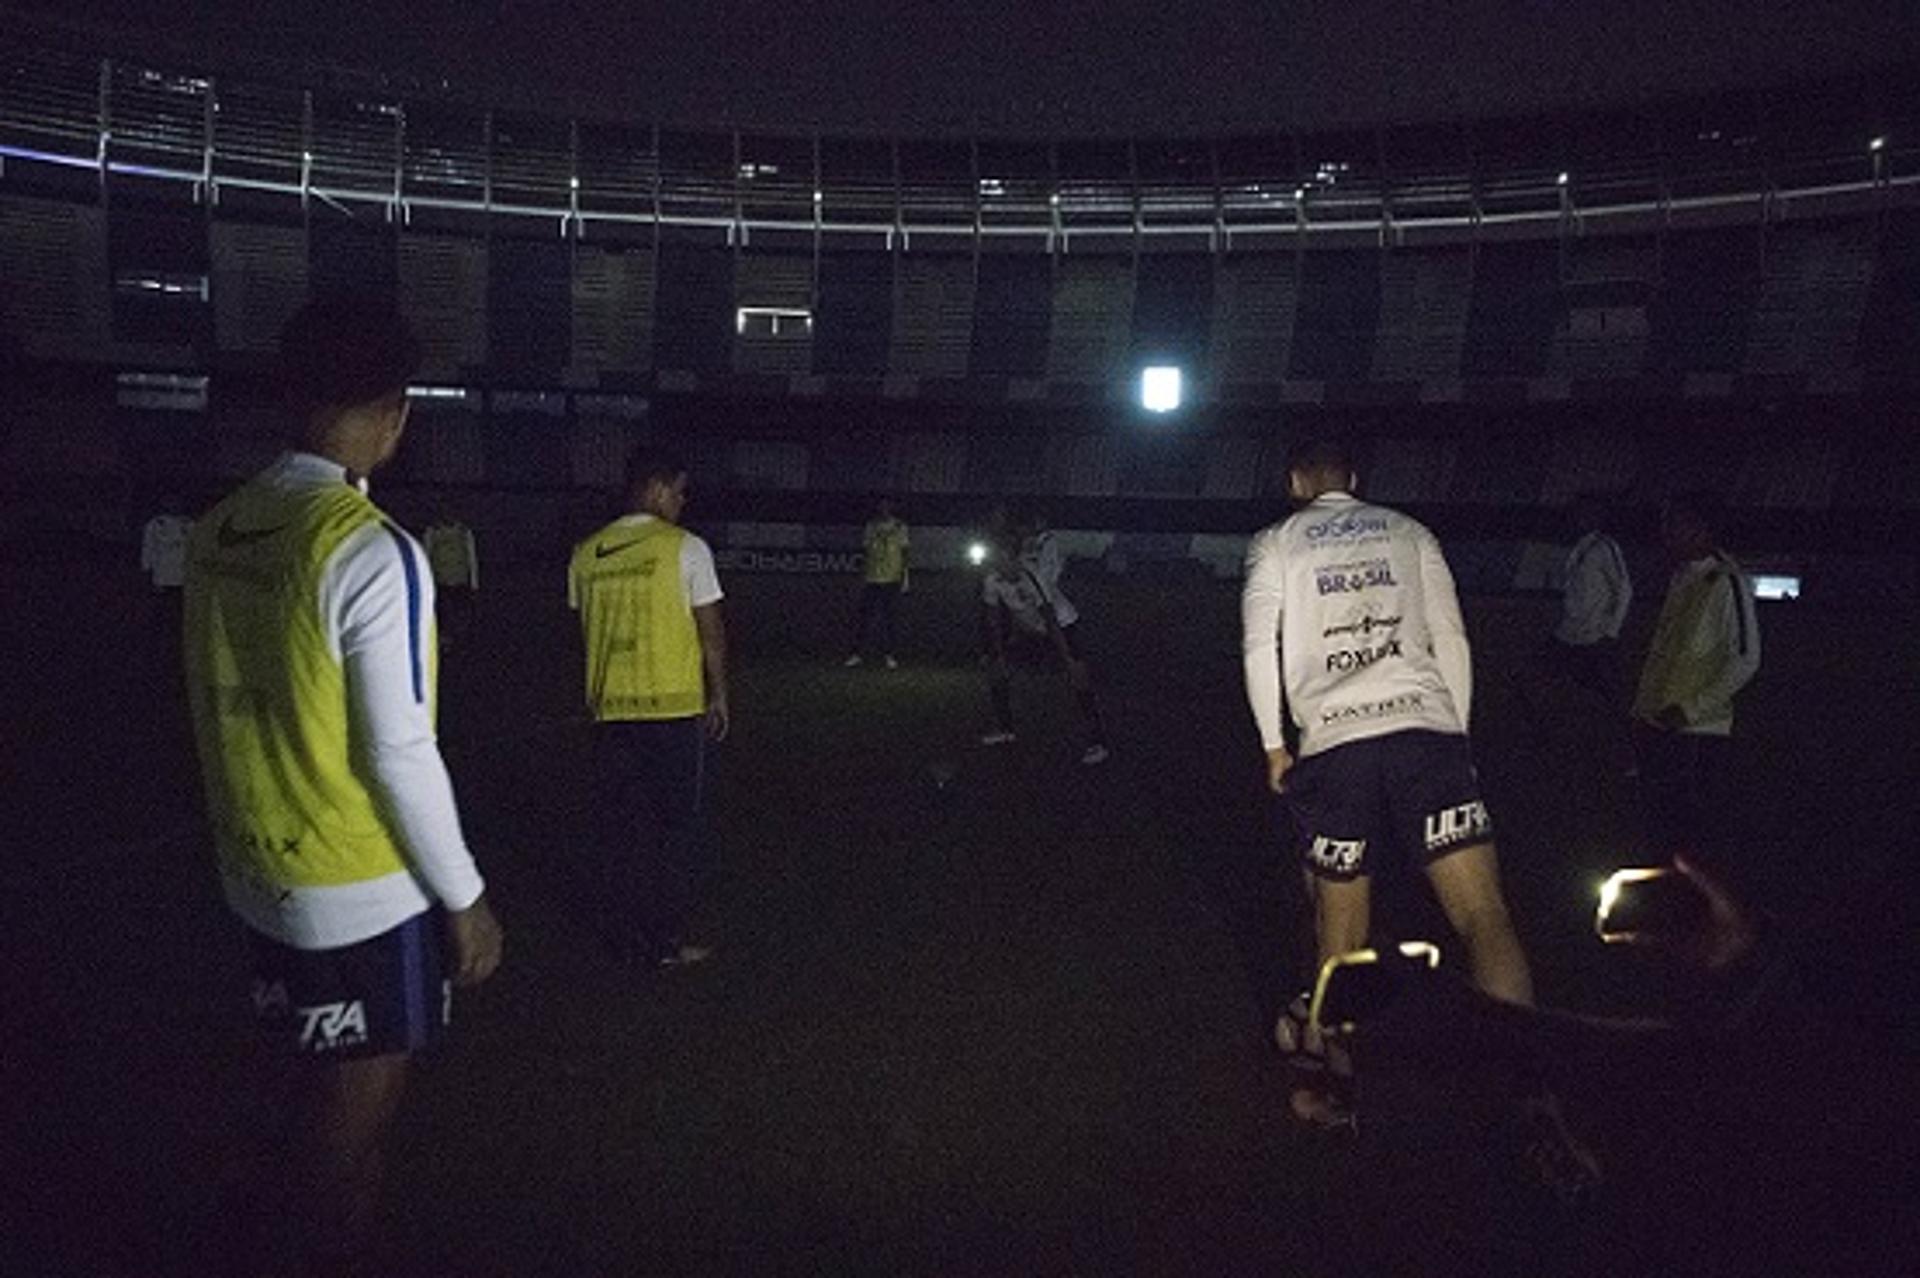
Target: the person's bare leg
(1342, 915)
(1468, 885)
(1341, 918)
(336, 1161)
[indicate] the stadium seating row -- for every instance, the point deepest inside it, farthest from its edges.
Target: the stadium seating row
(1822, 304)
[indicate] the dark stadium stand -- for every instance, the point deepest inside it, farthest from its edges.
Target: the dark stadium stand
(1704, 276)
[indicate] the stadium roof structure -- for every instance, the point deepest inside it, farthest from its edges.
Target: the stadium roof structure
(1013, 68)
(1838, 146)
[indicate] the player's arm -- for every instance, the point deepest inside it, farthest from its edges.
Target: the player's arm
(1619, 585)
(703, 592)
(1076, 669)
(1445, 630)
(377, 596)
(1584, 593)
(1051, 564)
(713, 660)
(1049, 614)
(1262, 605)
(1729, 649)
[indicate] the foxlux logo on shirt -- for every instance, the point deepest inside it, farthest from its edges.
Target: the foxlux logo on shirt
(1347, 527)
(1347, 579)
(1361, 658)
(326, 1027)
(1461, 824)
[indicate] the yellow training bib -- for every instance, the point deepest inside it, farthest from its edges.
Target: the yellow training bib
(269, 697)
(643, 649)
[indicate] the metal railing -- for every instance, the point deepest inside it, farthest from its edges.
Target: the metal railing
(1745, 157)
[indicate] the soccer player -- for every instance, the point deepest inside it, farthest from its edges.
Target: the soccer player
(1584, 648)
(163, 546)
(1021, 607)
(656, 685)
(886, 544)
(1594, 600)
(163, 556)
(456, 572)
(1350, 622)
(1039, 548)
(309, 652)
(1705, 648)
(450, 549)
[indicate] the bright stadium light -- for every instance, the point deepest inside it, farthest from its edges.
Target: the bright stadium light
(1877, 144)
(1160, 388)
(977, 553)
(1562, 179)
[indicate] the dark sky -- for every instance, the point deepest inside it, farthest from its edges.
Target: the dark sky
(1047, 66)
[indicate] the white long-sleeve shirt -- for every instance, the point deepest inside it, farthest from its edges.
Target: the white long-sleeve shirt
(1028, 597)
(163, 550)
(1705, 647)
(1597, 591)
(378, 616)
(1351, 608)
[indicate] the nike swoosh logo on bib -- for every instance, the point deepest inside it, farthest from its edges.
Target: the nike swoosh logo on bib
(601, 551)
(228, 536)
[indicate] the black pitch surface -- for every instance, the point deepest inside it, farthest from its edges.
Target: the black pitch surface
(1015, 1024)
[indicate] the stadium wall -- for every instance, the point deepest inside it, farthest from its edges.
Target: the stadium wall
(1823, 307)
(1720, 294)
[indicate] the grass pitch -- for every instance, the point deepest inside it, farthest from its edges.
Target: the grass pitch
(1014, 1023)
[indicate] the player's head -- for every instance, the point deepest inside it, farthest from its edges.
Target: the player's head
(657, 484)
(1317, 466)
(1689, 523)
(345, 360)
(884, 508)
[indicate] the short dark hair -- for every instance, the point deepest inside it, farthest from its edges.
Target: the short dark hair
(650, 465)
(345, 349)
(1324, 454)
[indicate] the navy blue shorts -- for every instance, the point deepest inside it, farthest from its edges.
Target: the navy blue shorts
(1414, 791)
(386, 994)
